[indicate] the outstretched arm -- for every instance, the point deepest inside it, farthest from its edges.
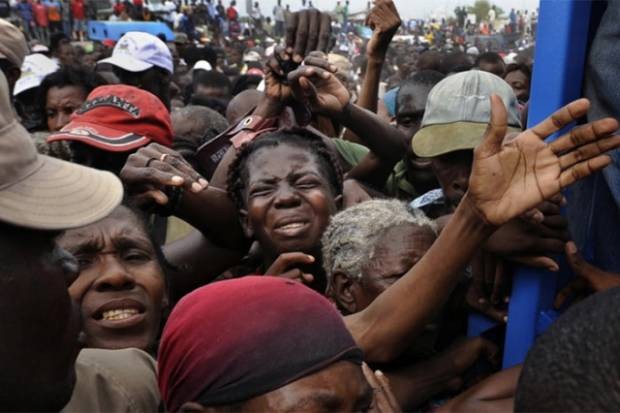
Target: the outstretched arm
(506, 181)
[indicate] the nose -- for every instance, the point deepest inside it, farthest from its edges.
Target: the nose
(460, 183)
(61, 120)
(286, 197)
(113, 276)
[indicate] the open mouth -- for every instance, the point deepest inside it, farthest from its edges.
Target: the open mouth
(118, 311)
(291, 228)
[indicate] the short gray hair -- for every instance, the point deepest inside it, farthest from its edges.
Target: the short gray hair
(351, 236)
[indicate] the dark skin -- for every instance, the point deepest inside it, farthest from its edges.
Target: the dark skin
(520, 84)
(497, 68)
(588, 278)
(87, 155)
(452, 171)
(60, 104)
(411, 103)
(119, 273)
(66, 54)
(155, 80)
(288, 204)
(490, 203)
(397, 250)
(339, 387)
(40, 323)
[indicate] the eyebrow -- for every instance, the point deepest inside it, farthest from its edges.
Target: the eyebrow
(329, 400)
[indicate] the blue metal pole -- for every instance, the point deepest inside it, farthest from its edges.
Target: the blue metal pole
(561, 44)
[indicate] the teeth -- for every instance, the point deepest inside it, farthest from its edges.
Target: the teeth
(115, 315)
(293, 225)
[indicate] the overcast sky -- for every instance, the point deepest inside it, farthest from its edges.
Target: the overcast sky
(407, 8)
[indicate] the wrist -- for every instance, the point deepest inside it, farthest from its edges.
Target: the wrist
(268, 107)
(344, 114)
(376, 59)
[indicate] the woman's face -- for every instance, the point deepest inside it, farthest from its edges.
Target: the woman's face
(60, 104)
(397, 250)
(121, 287)
(289, 200)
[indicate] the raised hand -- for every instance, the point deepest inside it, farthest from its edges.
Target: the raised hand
(307, 31)
(508, 180)
(314, 84)
(384, 21)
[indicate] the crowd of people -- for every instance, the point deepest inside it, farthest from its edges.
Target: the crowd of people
(287, 215)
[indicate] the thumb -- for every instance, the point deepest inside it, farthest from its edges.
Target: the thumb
(575, 260)
(496, 129)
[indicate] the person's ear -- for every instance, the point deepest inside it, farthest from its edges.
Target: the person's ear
(245, 224)
(342, 292)
(193, 407)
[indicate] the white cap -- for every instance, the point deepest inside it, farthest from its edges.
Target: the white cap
(138, 51)
(510, 58)
(34, 69)
(473, 51)
(39, 48)
(252, 56)
(202, 65)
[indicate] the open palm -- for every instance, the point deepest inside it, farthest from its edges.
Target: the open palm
(508, 180)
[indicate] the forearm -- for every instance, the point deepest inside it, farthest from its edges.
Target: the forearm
(387, 142)
(396, 317)
(196, 262)
(214, 214)
(494, 394)
(369, 93)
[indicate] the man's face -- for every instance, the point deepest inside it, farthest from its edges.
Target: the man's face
(340, 387)
(452, 171)
(495, 68)
(66, 55)
(520, 85)
(40, 323)
(411, 103)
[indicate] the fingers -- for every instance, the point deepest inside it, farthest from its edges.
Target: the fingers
(499, 283)
(490, 351)
(584, 134)
(589, 151)
(289, 260)
(291, 30)
(579, 266)
(324, 33)
(301, 37)
(313, 31)
(561, 118)
(541, 261)
(392, 403)
(496, 129)
(583, 169)
(318, 59)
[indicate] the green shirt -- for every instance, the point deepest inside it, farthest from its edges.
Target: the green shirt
(396, 185)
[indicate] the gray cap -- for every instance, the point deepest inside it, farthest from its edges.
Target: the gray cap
(458, 110)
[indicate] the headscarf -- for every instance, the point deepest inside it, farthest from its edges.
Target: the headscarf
(234, 340)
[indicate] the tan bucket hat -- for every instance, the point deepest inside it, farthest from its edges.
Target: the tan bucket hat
(45, 193)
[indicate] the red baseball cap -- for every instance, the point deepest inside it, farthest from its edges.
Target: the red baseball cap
(118, 118)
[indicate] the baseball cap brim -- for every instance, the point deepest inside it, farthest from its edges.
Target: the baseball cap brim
(439, 139)
(58, 195)
(127, 62)
(100, 136)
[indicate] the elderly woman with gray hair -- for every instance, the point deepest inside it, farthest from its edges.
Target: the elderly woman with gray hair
(368, 247)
